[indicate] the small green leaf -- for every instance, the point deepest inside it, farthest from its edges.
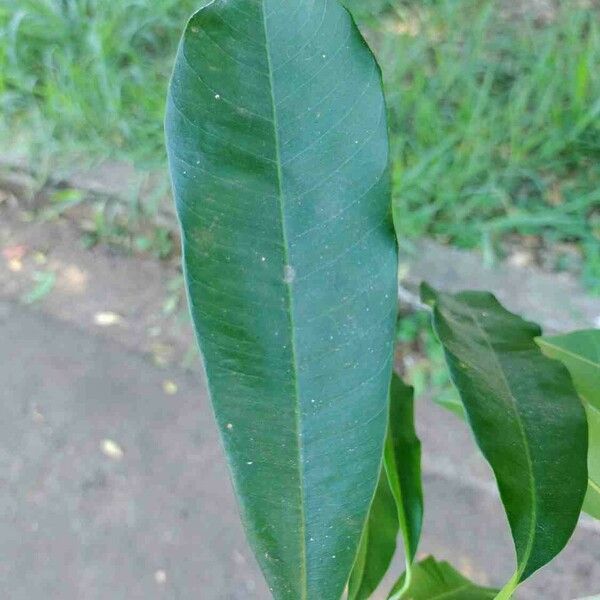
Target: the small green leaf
(378, 543)
(403, 465)
(428, 295)
(580, 353)
(398, 502)
(527, 419)
(44, 284)
(454, 405)
(67, 196)
(431, 579)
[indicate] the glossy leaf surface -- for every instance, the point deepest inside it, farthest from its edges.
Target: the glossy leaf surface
(398, 503)
(278, 150)
(431, 580)
(526, 417)
(580, 353)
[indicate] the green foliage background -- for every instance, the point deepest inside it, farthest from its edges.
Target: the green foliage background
(495, 116)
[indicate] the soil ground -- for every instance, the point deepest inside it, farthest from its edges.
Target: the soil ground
(115, 486)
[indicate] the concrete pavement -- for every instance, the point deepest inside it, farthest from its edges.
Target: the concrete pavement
(80, 521)
(112, 489)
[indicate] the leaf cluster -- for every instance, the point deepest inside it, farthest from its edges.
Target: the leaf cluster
(279, 156)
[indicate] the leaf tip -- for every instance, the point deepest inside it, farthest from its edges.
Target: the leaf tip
(428, 294)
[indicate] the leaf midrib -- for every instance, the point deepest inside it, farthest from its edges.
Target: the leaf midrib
(578, 357)
(570, 353)
(594, 485)
(514, 405)
(289, 298)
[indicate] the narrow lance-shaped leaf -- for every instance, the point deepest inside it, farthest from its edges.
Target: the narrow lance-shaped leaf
(398, 502)
(580, 353)
(526, 417)
(377, 545)
(432, 579)
(402, 460)
(278, 150)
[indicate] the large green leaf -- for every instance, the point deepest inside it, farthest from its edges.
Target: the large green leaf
(398, 502)
(277, 142)
(580, 353)
(526, 417)
(431, 580)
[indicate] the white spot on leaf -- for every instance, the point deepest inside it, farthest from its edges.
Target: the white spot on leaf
(289, 274)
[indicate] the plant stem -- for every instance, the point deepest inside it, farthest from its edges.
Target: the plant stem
(508, 590)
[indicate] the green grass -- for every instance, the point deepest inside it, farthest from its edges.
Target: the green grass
(495, 124)
(421, 360)
(87, 78)
(495, 121)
